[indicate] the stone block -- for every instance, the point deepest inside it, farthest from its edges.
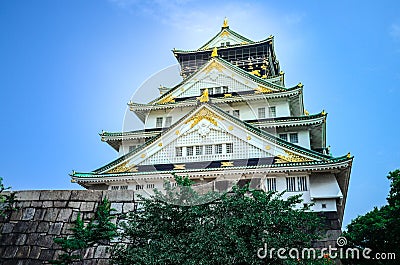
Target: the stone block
(128, 207)
(32, 239)
(23, 204)
(51, 214)
(7, 228)
(28, 195)
(86, 195)
(117, 207)
(21, 227)
(10, 252)
(75, 205)
(45, 241)
(87, 206)
(32, 226)
(55, 195)
(60, 204)
(23, 252)
(64, 215)
(47, 204)
(119, 195)
(28, 214)
(16, 215)
(89, 253)
(46, 254)
(55, 228)
(43, 227)
(35, 252)
(39, 214)
(20, 239)
(101, 252)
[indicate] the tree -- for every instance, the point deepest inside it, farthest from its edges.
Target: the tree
(379, 229)
(7, 201)
(227, 230)
(99, 231)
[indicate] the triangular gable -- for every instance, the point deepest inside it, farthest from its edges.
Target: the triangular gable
(208, 125)
(224, 36)
(218, 73)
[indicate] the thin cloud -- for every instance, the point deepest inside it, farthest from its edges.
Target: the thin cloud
(395, 32)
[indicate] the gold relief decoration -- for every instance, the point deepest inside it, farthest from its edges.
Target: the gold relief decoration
(213, 65)
(227, 164)
(143, 155)
(263, 67)
(124, 167)
(230, 128)
(204, 96)
(203, 114)
(168, 99)
(281, 72)
(323, 113)
(268, 147)
(264, 76)
(160, 144)
(244, 42)
(306, 112)
(225, 24)
(255, 72)
(177, 132)
(262, 89)
(227, 95)
(248, 137)
(291, 157)
(182, 166)
(224, 33)
(348, 155)
(214, 52)
(300, 85)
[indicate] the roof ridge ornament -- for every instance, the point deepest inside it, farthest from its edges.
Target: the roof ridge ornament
(225, 24)
(204, 96)
(214, 52)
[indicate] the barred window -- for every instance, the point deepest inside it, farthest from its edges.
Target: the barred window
(272, 112)
(189, 151)
(218, 148)
(159, 121)
(302, 183)
(208, 150)
(229, 148)
(294, 138)
(225, 89)
(139, 187)
(271, 184)
(283, 136)
(125, 187)
(150, 185)
(217, 90)
(291, 183)
(178, 151)
(199, 150)
(114, 187)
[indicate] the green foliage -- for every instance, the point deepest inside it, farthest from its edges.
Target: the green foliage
(227, 230)
(99, 230)
(378, 229)
(7, 201)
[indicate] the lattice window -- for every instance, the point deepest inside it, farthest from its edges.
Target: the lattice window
(283, 136)
(294, 138)
(168, 121)
(271, 184)
(159, 122)
(189, 150)
(139, 187)
(291, 183)
(272, 112)
(125, 187)
(209, 149)
(150, 186)
(179, 151)
(229, 148)
(114, 187)
(236, 113)
(199, 150)
(218, 148)
(261, 113)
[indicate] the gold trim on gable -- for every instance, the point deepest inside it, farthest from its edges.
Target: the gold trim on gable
(203, 114)
(291, 157)
(124, 167)
(262, 89)
(182, 166)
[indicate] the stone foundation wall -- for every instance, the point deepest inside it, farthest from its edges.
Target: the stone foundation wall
(26, 237)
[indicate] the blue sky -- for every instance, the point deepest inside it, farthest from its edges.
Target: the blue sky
(68, 68)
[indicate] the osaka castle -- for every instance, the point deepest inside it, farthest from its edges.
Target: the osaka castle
(232, 120)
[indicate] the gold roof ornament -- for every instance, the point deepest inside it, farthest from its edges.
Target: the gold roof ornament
(348, 155)
(300, 85)
(281, 72)
(214, 52)
(255, 72)
(204, 96)
(262, 89)
(168, 99)
(323, 113)
(225, 24)
(306, 112)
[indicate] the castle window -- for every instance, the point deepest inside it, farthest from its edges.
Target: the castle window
(178, 151)
(208, 150)
(291, 183)
(229, 148)
(218, 148)
(302, 183)
(236, 113)
(283, 136)
(271, 184)
(294, 138)
(217, 90)
(168, 121)
(323, 205)
(150, 185)
(199, 150)
(261, 113)
(225, 89)
(114, 187)
(139, 187)
(189, 151)
(159, 122)
(272, 112)
(123, 187)
(227, 43)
